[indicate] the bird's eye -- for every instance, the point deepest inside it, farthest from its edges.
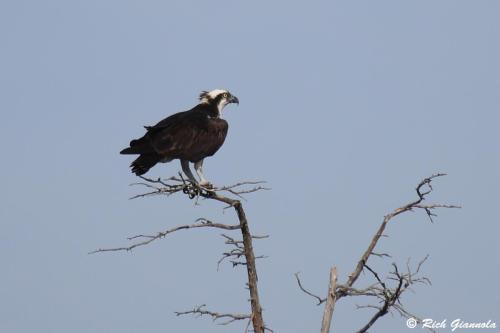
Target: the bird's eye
(225, 95)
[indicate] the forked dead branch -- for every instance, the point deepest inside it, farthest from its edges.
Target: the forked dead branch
(386, 291)
(241, 248)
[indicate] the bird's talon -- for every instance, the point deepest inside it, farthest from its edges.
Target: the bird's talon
(209, 194)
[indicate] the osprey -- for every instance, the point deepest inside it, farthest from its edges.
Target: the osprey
(189, 136)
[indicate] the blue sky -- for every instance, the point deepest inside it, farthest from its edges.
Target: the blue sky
(345, 106)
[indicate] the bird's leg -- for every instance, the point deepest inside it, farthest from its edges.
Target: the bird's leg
(198, 166)
(187, 171)
(194, 189)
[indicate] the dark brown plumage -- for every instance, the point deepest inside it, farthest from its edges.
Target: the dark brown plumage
(188, 136)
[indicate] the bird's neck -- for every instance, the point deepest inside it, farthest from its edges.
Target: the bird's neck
(212, 110)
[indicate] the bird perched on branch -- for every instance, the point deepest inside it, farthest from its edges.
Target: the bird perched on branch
(189, 136)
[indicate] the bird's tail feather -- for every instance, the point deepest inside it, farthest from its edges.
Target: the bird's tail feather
(143, 163)
(139, 146)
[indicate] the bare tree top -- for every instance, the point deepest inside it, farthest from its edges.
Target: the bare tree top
(386, 291)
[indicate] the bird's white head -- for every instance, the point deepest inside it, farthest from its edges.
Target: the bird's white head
(219, 97)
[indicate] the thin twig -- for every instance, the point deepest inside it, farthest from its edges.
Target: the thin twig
(320, 300)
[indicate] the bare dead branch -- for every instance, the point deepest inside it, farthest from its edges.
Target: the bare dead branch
(390, 297)
(238, 250)
(200, 223)
(238, 191)
(180, 184)
(200, 311)
(371, 290)
(330, 301)
(381, 255)
(376, 276)
(257, 319)
(320, 300)
(423, 189)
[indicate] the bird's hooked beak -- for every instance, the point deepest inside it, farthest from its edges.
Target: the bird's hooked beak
(234, 99)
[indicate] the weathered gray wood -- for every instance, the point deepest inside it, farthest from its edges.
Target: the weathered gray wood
(330, 301)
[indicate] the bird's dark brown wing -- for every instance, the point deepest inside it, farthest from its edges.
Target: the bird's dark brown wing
(191, 136)
(144, 145)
